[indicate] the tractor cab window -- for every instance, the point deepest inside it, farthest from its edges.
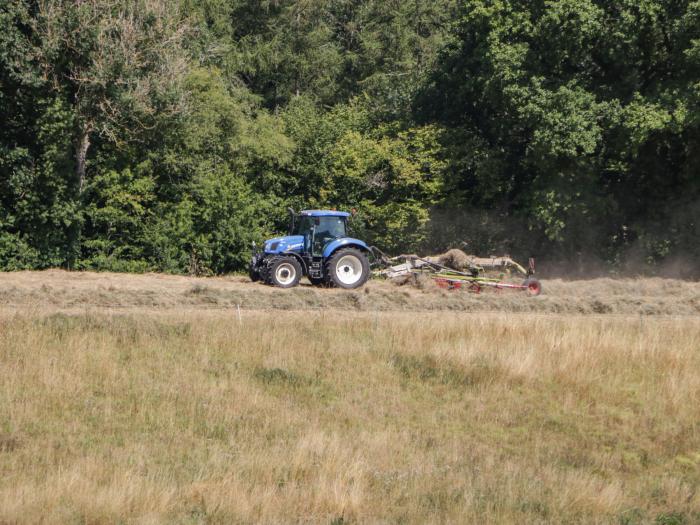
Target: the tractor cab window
(330, 227)
(302, 225)
(326, 227)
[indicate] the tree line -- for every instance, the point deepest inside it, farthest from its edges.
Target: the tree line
(163, 135)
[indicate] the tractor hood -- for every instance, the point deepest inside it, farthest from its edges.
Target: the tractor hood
(290, 243)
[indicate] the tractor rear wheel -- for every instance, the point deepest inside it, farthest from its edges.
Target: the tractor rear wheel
(347, 268)
(284, 272)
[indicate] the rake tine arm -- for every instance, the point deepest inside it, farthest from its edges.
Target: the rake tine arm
(497, 262)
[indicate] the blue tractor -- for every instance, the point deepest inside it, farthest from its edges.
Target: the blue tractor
(317, 247)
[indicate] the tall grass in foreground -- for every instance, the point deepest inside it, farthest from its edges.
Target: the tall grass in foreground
(343, 418)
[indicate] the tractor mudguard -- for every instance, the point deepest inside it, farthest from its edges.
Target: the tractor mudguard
(344, 242)
(300, 260)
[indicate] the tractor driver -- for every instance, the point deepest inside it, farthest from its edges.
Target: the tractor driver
(327, 229)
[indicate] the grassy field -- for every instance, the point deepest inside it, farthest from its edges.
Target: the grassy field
(168, 415)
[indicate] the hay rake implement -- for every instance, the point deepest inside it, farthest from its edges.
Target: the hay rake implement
(476, 273)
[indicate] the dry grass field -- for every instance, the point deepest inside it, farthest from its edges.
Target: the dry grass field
(179, 411)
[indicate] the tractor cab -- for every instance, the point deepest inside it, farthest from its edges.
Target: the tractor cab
(316, 246)
(318, 228)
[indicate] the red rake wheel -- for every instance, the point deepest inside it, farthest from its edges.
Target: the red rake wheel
(449, 284)
(442, 283)
(534, 287)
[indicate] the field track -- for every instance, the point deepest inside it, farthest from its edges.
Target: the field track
(60, 290)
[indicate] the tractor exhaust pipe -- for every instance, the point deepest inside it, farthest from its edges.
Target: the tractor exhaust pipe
(292, 219)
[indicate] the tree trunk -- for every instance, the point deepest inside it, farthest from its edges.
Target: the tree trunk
(75, 232)
(81, 156)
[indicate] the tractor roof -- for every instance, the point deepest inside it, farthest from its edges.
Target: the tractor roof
(324, 213)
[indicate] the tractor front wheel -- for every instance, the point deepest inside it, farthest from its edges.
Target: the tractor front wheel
(347, 268)
(284, 272)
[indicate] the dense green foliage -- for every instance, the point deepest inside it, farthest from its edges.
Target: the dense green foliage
(155, 135)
